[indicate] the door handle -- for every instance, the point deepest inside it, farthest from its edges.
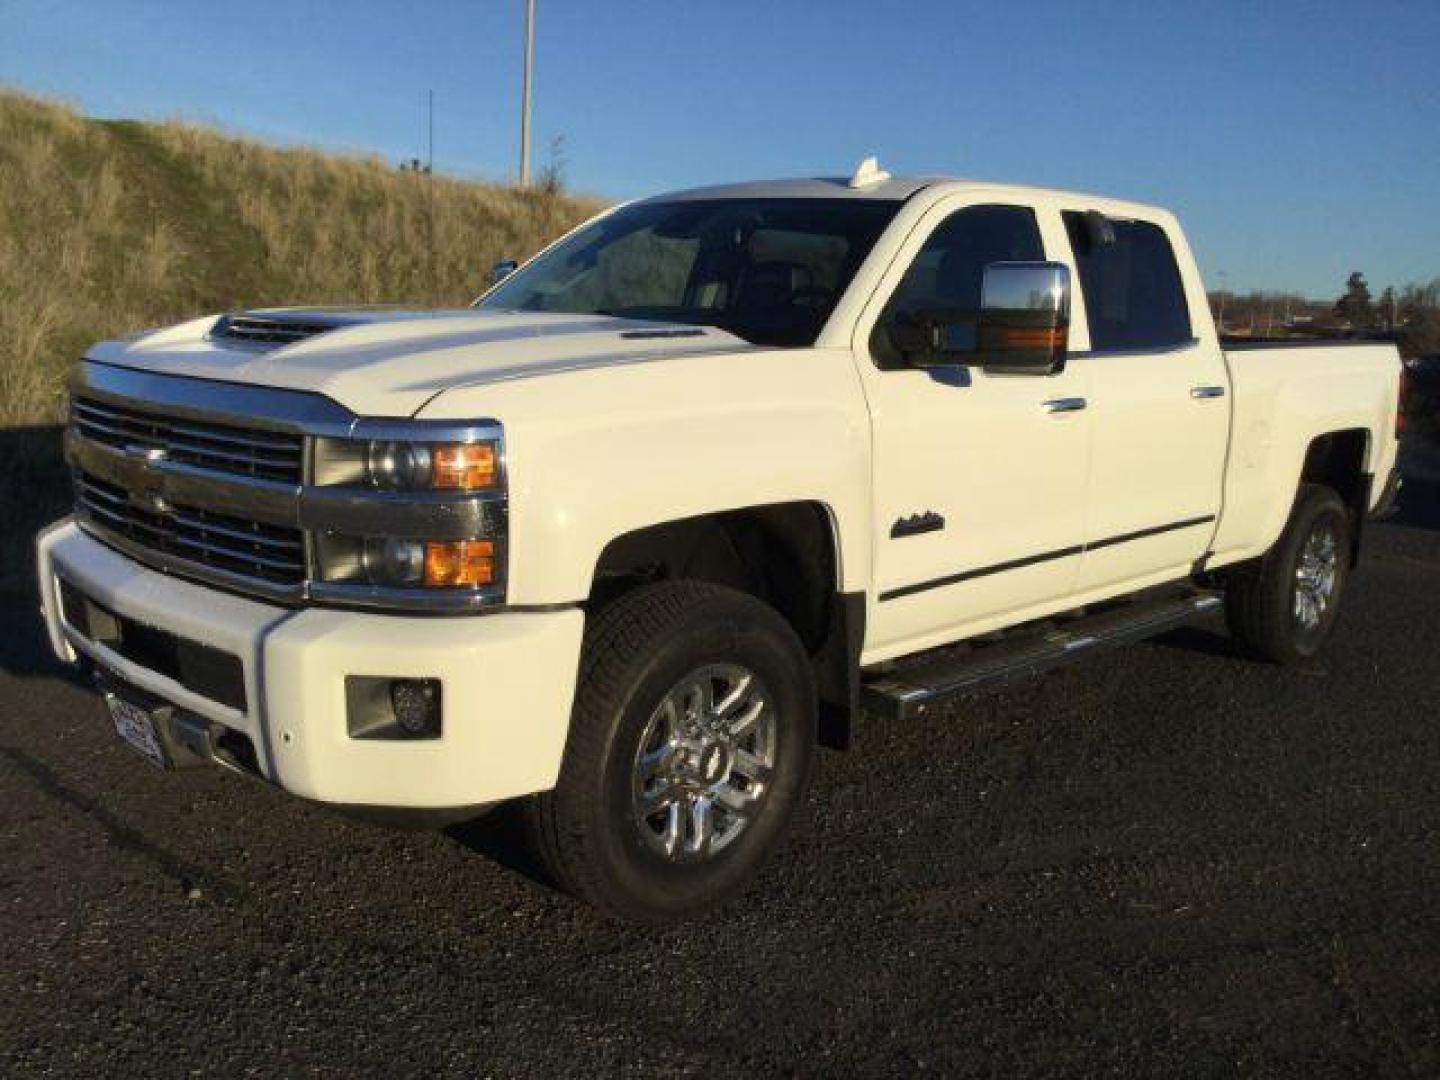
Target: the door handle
(1201, 393)
(1064, 404)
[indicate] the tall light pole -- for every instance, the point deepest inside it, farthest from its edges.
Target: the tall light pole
(525, 103)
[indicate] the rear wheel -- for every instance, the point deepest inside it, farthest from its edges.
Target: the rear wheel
(1283, 607)
(690, 745)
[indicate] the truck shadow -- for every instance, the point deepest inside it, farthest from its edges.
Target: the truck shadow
(1203, 639)
(503, 836)
(181, 871)
(25, 648)
(1418, 505)
(34, 491)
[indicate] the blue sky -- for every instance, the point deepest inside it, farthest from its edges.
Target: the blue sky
(1297, 140)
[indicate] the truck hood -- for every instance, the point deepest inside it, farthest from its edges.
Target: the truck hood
(390, 362)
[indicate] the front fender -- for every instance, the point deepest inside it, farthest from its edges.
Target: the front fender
(593, 454)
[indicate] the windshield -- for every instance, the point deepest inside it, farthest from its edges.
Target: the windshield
(767, 270)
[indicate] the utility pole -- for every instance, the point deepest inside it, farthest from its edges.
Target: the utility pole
(525, 103)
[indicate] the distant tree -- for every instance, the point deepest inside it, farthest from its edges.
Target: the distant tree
(1419, 311)
(1355, 307)
(552, 176)
(1386, 308)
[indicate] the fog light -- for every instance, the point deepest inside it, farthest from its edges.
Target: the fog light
(417, 706)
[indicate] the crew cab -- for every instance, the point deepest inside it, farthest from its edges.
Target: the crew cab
(666, 508)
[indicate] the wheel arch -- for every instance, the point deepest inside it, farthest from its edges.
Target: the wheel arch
(1338, 460)
(786, 554)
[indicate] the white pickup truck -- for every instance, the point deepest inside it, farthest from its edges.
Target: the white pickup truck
(658, 514)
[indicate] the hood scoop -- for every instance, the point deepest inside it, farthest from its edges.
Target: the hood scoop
(275, 330)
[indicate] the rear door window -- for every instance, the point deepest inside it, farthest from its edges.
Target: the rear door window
(1133, 294)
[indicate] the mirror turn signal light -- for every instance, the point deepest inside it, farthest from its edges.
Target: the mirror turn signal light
(1032, 338)
(462, 564)
(464, 466)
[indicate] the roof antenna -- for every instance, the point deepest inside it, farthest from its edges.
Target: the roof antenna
(868, 173)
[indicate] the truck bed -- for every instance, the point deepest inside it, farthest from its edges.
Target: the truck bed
(1284, 395)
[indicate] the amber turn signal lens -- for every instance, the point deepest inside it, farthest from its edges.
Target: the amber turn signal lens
(462, 564)
(1017, 338)
(465, 467)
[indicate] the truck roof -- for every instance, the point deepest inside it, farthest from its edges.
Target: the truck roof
(889, 189)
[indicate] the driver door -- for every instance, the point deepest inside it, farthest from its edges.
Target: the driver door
(979, 479)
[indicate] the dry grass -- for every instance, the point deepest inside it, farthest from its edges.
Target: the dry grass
(107, 228)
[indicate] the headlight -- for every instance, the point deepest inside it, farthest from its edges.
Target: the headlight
(465, 564)
(409, 464)
(400, 520)
(393, 466)
(466, 467)
(398, 563)
(394, 562)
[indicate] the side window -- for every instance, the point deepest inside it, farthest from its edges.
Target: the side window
(1133, 293)
(949, 271)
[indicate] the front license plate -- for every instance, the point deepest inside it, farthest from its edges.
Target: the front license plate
(136, 726)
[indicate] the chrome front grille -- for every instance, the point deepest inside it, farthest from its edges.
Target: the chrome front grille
(214, 482)
(198, 537)
(264, 455)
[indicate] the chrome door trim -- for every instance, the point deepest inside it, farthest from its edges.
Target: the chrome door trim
(1045, 556)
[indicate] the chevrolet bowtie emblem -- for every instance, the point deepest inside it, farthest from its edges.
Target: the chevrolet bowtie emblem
(146, 483)
(147, 453)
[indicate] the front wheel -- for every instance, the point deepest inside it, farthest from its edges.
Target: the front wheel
(1283, 607)
(690, 745)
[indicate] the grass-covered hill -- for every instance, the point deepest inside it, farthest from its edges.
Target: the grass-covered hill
(108, 227)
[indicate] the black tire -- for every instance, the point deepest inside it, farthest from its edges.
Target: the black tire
(636, 651)
(1260, 596)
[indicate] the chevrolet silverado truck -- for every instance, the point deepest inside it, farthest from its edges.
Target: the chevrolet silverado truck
(677, 500)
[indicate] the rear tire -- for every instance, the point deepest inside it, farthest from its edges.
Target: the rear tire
(1282, 607)
(690, 745)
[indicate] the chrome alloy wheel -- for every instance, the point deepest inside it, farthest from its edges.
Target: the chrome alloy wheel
(1315, 574)
(704, 762)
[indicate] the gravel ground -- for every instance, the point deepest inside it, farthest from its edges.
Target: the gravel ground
(1169, 861)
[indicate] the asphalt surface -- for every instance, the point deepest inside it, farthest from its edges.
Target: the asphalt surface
(1169, 861)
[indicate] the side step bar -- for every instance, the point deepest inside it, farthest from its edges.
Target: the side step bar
(914, 692)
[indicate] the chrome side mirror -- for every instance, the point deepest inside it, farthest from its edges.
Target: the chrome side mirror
(1024, 318)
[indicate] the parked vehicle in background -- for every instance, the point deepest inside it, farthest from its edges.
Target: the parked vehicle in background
(1420, 397)
(660, 513)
